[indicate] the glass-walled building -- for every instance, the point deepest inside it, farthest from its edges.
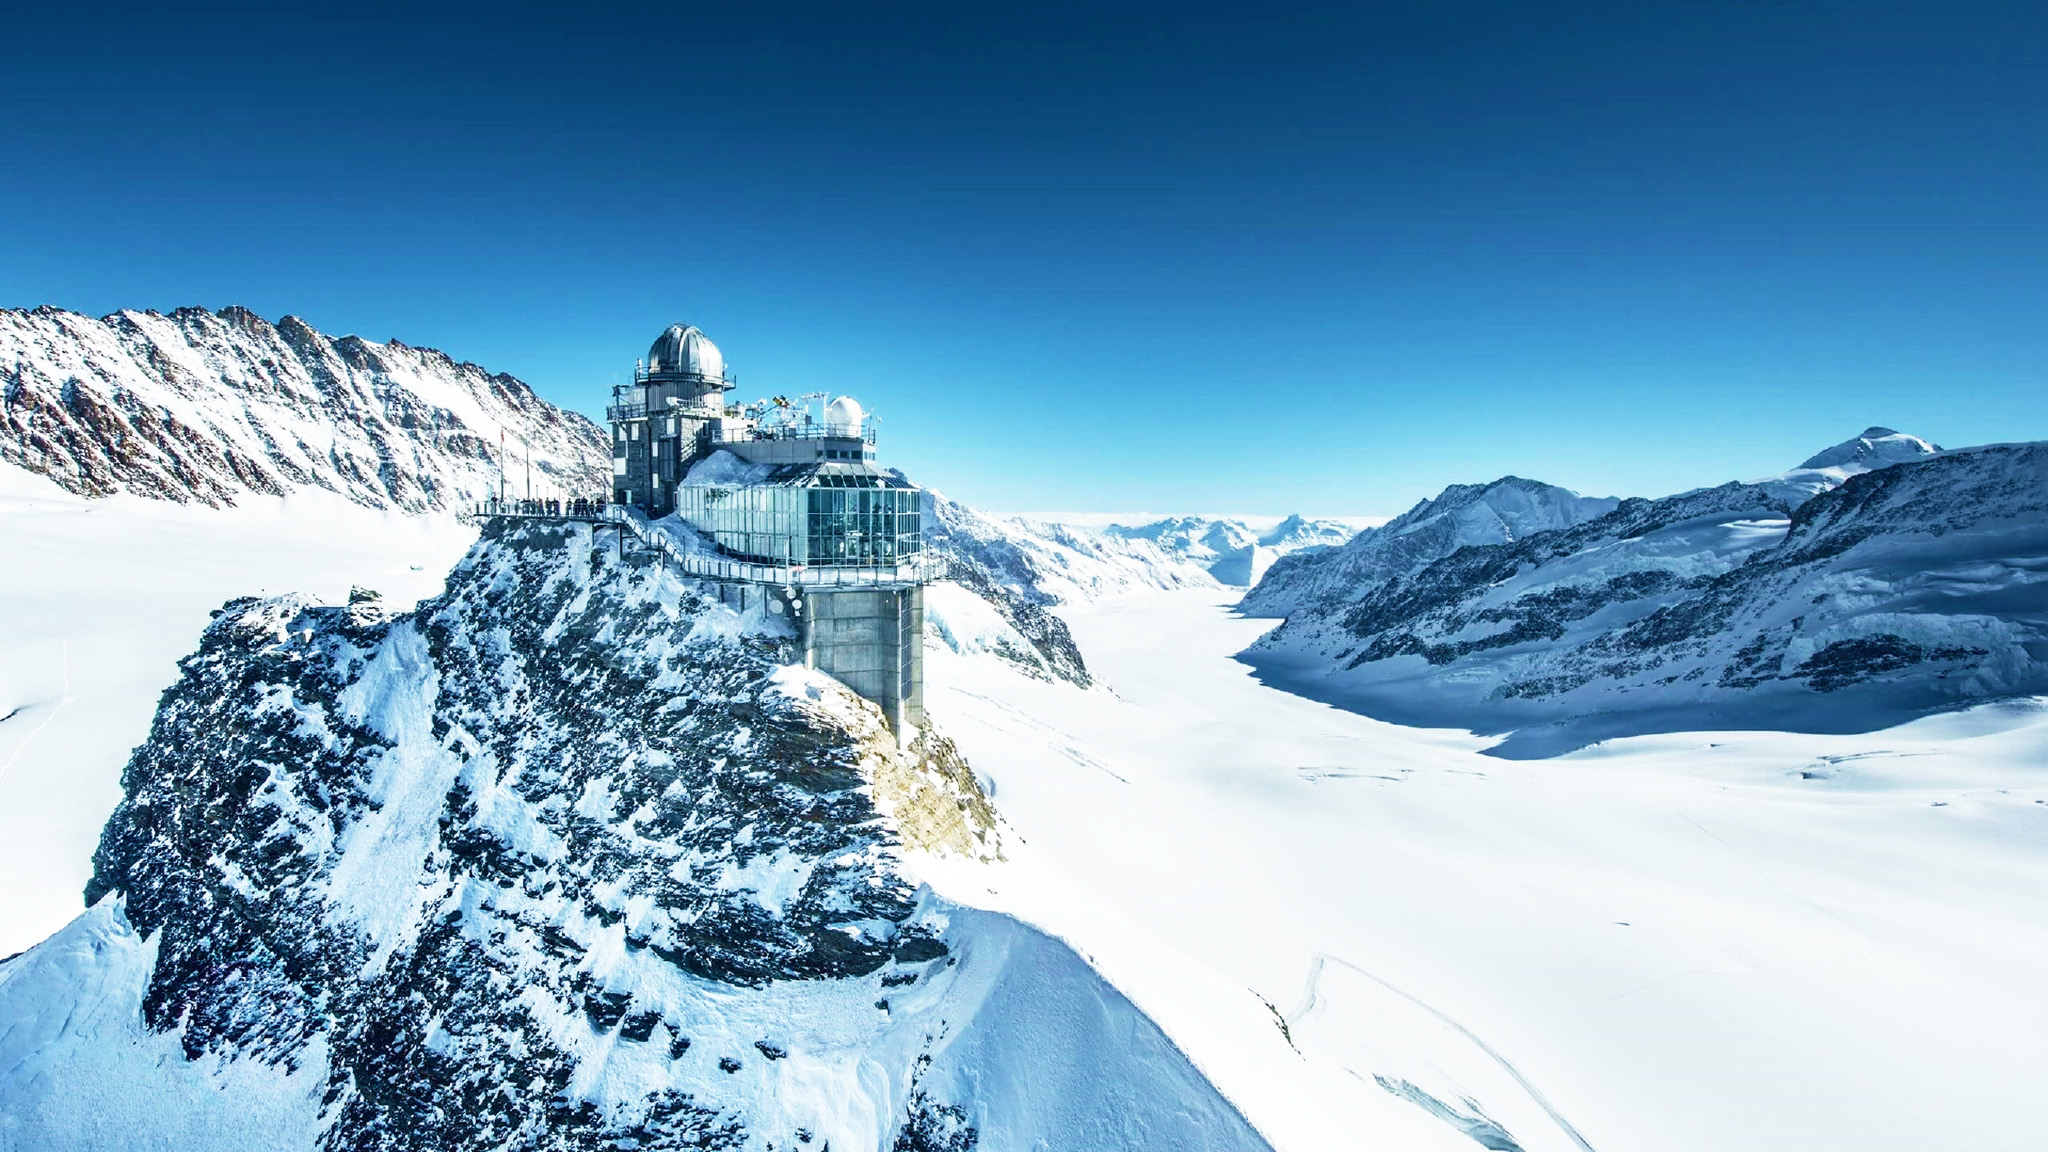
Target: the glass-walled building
(827, 515)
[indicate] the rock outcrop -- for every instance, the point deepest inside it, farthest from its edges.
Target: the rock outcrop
(570, 857)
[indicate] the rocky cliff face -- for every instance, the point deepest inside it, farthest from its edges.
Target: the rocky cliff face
(1904, 589)
(568, 858)
(208, 407)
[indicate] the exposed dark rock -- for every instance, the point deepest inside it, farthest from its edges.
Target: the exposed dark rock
(588, 786)
(1906, 588)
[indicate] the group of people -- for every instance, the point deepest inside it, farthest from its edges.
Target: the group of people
(578, 508)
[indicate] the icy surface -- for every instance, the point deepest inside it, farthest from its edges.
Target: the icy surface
(102, 599)
(1685, 942)
(79, 1070)
(724, 468)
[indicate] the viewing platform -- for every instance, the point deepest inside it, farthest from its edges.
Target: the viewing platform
(912, 572)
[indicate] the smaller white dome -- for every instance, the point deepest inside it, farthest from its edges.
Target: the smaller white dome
(844, 416)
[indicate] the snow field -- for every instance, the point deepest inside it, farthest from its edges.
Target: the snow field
(1688, 942)
(99, 599)
(79, 1070)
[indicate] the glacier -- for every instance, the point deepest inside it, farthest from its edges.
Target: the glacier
(540, 847)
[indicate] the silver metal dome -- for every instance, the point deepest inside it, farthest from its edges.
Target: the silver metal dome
(685, 352)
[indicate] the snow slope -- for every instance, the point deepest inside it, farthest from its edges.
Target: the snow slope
(103, 598)
(1909, 588)
(1875, 448)
(1687, 942)
(569, 858)
(213, 406)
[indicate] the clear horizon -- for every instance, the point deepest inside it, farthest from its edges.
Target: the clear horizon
(1318, 260)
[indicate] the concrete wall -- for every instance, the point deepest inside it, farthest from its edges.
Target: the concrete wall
(872, 641)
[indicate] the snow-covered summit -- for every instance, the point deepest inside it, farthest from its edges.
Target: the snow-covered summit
(210, 406)
(1875, 448)
(1507, 509)
(1298, 531)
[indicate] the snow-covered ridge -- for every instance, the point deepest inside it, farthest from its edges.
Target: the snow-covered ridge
(1904, 589)
(1231, 550)
(1875, 448)
(1463, 514)
(570, 857)
(209, 406)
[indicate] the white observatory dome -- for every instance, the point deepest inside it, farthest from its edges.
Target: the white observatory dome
(843, 416)
(685, 351)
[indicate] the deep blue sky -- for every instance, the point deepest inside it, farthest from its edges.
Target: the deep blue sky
(1253, 258)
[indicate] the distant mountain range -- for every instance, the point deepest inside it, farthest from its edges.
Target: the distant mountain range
(1026, 567)
(206, 407)
(1231, 550)
(1881, 579)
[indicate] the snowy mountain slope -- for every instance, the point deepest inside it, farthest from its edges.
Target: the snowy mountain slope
(1914, 587)
(1023, 567)
(566, 859)
(1463, 514)
(1297, 532)
(1875, 448)
(1231, 550)
(103, 596)
(212, 406)
(1691, 942)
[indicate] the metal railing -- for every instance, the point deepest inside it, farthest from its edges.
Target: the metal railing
(797, 432)
(642, 374)
(550, 509)
(865, 434)
(637, 411)
(923, 568)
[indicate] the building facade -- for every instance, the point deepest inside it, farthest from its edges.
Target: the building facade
(797, 500)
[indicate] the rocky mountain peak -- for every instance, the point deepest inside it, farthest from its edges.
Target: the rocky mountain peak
(572, 856)
(210, 407)
(1875, 447)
